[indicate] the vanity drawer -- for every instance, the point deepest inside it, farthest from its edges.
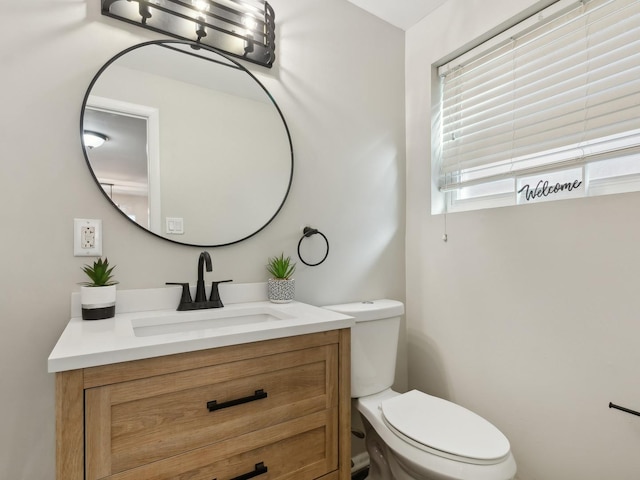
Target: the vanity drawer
(141, 422)
(301, 449)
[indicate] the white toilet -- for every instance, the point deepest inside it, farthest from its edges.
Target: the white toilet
(414, 436)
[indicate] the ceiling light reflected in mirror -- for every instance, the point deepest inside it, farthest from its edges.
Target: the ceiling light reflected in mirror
(94, 139)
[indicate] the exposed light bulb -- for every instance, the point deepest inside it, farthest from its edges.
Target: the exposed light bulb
(249, 22)
(201, 5)
(201, 30)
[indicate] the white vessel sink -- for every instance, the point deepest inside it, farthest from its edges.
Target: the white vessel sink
(202, 320)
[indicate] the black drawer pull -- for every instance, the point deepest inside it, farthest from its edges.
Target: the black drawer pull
(213, 405)
(260, 469)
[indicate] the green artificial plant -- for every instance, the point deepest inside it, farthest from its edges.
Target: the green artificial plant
(281, 268)
(100, 273)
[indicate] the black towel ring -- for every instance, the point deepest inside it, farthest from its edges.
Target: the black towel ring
(307, 232)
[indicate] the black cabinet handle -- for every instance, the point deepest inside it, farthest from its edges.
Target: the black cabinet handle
(213, 405)
(259, 470)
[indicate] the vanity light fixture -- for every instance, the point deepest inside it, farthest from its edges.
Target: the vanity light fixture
(94, 139)
(250, 25)
(201, 6)
(241, 28)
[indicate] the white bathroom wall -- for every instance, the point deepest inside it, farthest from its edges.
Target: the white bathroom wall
(527, 315)
(339, 82)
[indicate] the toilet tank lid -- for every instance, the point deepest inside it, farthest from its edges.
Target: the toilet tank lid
(370, 309)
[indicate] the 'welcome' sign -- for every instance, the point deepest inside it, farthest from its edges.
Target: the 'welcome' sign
(544, 189)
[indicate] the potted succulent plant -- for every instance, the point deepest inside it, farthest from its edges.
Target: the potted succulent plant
(281, 287)
(98, 296)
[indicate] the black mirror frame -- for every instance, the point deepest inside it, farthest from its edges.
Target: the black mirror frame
(236, 64)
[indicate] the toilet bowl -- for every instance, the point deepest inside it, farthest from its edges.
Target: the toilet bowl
(413, 435)
(461, 445)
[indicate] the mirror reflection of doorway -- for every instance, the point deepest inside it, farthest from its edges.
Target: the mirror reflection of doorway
(124, 165)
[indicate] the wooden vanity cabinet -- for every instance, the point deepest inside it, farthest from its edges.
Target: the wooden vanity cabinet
(276, 409)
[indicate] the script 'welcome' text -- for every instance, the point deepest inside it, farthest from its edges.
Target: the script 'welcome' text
(544, 189)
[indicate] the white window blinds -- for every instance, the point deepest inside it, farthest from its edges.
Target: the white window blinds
(560, 88)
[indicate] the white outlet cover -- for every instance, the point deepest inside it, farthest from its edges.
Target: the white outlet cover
(81, 244)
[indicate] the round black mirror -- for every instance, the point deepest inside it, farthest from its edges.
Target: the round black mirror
(189, 144)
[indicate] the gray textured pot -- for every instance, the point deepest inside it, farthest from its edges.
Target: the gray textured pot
(281, 291)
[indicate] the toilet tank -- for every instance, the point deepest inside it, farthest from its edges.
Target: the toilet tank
(374, 344)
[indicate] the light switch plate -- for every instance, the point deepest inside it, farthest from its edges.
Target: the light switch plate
(175, 225)
(87, 237)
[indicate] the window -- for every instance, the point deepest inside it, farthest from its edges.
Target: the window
(549, 109)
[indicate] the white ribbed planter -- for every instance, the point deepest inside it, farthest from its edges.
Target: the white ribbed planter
(281, 291)
(98, 302)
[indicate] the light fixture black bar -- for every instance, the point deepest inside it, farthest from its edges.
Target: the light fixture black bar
(195, 20)
(218, 6)
(208, 14)
(213, 27)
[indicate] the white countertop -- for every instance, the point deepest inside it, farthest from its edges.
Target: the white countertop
(91, 343)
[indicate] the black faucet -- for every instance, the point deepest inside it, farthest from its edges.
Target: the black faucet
(201, 302)
(201, 295)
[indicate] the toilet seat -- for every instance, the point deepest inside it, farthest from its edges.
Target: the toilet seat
(444, 428)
